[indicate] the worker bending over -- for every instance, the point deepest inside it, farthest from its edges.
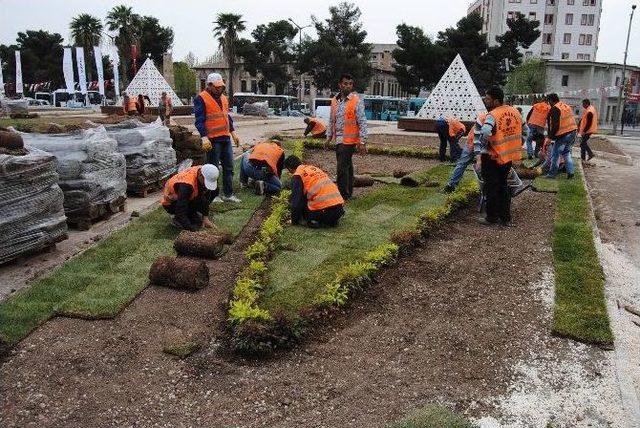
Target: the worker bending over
(588, 126)
(188, 194)
(450, 130)
(562, 131)
(314, 197)
(537, 121)
(468, 154)
(263, 164)
(315, 127)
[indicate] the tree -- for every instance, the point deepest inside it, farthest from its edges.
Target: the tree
(527, 78)
(340, 48)
(270, 54)
(226, 28)
(185, 79)
(417, 59)
(154, 39)
(86, 31)
(191, 60)
(122, 20)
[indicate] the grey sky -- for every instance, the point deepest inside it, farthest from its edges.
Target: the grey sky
(191, 19)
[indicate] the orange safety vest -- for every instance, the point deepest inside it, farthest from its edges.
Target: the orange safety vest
(351, 131)
(217, 119)
(318, 127)
(567, 121)
(471, 135)
(131, 105)
(594, 122)
(188, 176)
(269, 153)
(320, 191)
(455, 127)
(506, 144)
(539, 114)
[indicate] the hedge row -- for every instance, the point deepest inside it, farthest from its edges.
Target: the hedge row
(376, 149)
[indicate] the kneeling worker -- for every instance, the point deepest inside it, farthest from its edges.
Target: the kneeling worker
(315, 127)
(264, 164)
(314, 197)
(188, 194)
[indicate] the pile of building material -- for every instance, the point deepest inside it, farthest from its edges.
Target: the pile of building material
(256, 109)
(148, 151)
(187, 145)
(31, 202)
(92, 173)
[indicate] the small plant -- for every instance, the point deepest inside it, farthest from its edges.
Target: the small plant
(182, 350)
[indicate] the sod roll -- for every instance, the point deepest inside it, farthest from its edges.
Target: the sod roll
(362, 181)
(11, 140)
(199, 244)
(179, 272)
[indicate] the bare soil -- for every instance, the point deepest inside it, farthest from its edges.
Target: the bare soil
(444, 325)
(601, 143)
(424, 141)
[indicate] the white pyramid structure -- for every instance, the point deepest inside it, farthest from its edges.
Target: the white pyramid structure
(454, 96)
(148, 81)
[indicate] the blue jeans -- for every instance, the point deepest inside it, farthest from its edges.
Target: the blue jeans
(222, 151)
(537, 133)
(465, 159)
(272, 183)
(562, 147)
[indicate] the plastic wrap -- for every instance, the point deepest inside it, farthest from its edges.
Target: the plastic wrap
(91, 171)
(256, 109)
(31, 204)
(148, 151)
(15, 106)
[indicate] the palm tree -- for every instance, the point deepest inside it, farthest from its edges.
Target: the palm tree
(86, 31)
(226, 29)
(125, 22)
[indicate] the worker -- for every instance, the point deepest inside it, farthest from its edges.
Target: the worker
(348, 129)
(588, 126)
(467, 156)
(315, 127)
(215, 125)
(449, 130)
(314, 197)
(129, 105)
(263, 164)
(165, 108)
(537, 121)
(561, 129)
(501, 142)
(188, 194)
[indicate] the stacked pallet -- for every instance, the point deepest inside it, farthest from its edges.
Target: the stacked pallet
(187, 145)
(31, 202)
(92, 173)
(149, 154)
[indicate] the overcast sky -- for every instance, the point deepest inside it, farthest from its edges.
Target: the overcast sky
(191, 20)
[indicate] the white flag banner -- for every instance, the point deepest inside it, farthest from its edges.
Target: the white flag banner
(115, 61)
(97, 52)
(19, 87)
(1, 81)
(67, 70)
(82, 71)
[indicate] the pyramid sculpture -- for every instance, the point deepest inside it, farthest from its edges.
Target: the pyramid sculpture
(454, 96)
(148, 81)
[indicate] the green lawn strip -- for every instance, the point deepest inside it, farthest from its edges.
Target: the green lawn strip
(432, 416)
(580, 310)
(543, 184)
(376, 149)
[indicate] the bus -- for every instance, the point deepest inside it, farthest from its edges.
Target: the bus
(376, 107)
(279, 105)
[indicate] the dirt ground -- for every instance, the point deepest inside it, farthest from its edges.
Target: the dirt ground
(427, 332)
(601, 143)
(368, 164)
(422, 140)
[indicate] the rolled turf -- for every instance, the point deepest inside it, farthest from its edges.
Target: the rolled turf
(199, 244)
(179, 272)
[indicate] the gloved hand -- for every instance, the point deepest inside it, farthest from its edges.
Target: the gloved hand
(206, 144)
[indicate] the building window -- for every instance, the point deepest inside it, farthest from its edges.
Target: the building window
(565, 80)
(568, 19)
(617, 81)
(254, 86)
(580, 56)
(546, 39)
(548, 19)
(532, 16)
(565, 55)
(243, 86)
(582, 39)
(588, 40)
(534, 1)
(511, 15)
(587, 57)
(551, 2)
(588, 2)
(587, 19)
(515, 1)
(567, 39)
(570, 2)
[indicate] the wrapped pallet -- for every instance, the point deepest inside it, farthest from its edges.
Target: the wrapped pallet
(31, 203)
(148, 151)
(92, 173)
(256, 109)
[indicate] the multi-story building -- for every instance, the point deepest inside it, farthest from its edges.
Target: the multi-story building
(569, 28)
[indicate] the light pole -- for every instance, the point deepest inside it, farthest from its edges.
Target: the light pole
(300, 94)
(620, 106)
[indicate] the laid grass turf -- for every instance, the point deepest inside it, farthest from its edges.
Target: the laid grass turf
(309, 258)
(432, 416)
(580, 310)
(549, 185)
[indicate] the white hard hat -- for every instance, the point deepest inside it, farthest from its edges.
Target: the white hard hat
(216, 79)
(210, 174)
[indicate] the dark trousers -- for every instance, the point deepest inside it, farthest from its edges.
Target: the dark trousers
(584, 147)
(443, 134)
(496, 189)
(221, 155)
(194, 218)
(326, 217)
(344, 157)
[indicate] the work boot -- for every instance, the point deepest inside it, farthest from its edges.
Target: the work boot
(259, 187)
(232, 198)
(569, 176)
(217, 200)
(590, 156)
(487, 222)
(243, 185)
(448, 189)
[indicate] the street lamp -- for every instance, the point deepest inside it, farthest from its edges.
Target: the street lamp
(620, 106)
(300, 54)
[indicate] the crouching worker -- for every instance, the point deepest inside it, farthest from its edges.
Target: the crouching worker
(263, 164)
(315, 127)
(314, 197)
(468, 154)
(188, 194)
